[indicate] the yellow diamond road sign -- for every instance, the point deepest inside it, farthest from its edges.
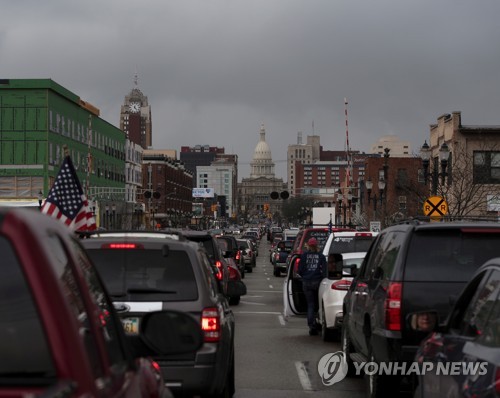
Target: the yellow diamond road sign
(435, 206)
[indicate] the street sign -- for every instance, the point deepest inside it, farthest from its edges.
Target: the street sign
(435, 206)
(375, 226)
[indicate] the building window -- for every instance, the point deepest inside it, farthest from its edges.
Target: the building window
(486, 167)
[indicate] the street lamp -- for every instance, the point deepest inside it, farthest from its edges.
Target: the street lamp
(40, 199)
(340, 199)
(381, 188)
(426, 154)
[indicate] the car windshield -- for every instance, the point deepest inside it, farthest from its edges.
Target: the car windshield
(145, 275)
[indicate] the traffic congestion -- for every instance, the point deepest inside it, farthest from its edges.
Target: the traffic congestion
(409, 311)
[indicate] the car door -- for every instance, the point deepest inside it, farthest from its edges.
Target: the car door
(357, 303)
(293, 296)
(462, 342)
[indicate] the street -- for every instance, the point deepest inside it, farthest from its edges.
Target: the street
(275, 357)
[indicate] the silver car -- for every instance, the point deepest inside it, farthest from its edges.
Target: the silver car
(249, 254)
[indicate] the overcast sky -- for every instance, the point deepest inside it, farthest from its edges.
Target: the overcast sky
(215, 70)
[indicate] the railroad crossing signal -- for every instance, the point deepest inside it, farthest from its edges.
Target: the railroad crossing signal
(435, 206)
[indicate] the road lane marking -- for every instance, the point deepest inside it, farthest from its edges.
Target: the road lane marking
(303, 376)
(249, 302)
(282, 320)
(256, 312)
(271, 286)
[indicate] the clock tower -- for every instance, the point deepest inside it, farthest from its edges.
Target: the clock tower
(135, 117)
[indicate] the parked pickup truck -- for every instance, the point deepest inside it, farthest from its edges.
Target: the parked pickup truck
(59, 333)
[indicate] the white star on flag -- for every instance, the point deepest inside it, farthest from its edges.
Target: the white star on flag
(67, 202)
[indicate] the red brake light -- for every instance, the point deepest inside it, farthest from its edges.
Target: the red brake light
(122, 246)
(219, 270)
(296, 265)
(342, 284)
(363, 234)
(210, 324)
(238, 255)
(233, 273)
(393, 306)
(155, 366)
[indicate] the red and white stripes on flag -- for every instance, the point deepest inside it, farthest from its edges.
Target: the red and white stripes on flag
(67, 202)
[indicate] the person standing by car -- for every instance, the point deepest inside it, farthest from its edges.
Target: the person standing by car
(312, 269)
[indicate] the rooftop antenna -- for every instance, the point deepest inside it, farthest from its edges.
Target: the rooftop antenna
(347, 147)
(136, 78)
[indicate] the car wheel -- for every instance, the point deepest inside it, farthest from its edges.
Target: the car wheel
(277, 272)
(229, 386)
(235, 300)
(326, 334)
(348, 350)
(250, 270)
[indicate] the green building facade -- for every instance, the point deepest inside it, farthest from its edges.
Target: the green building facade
(38, 119)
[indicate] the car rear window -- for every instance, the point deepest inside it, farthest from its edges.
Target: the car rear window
(146, 275)
(350, 244)
(26, 357)
(450, 255)
(320, 235)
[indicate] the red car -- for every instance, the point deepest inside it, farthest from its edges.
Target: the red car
(59, 332)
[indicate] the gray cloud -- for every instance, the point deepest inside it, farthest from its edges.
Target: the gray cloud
(214, 71)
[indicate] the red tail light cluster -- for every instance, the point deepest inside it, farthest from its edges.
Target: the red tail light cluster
(210, 324)
(393, 306)
(219, 270)
(238, 255)
(233, 274)
(296, 265)
(342, 284)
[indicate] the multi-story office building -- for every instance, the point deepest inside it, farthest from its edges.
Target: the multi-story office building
(38, 119)
(198, 155)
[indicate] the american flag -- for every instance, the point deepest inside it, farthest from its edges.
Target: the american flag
(67, 202)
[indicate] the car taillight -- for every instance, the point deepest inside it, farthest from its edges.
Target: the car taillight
(342, 284)
(121, 246)
(393, 306)
(219, 270)
(238, 255)
(210, 324)
(233, 274)
(296, 265)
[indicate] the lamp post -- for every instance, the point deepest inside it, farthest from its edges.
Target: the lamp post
(113, 215)
(374, 198)
(40, 199)
(426, 154)
(340, 199)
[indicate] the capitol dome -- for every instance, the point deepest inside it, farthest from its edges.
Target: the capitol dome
(262, 163)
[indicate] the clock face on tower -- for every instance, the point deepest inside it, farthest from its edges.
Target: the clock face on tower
(134, 107)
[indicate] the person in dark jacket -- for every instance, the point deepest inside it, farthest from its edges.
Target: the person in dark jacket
(312, 269)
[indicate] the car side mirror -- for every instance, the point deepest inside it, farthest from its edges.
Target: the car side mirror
(352, 269)
(167, 333)
(335, 266)
(423, 321)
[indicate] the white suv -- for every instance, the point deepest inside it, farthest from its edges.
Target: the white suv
(348, 249)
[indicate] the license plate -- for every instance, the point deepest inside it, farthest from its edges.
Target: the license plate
(131, 325)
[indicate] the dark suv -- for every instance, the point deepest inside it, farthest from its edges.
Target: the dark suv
(149, 272)
(229, 276)
(409, 268)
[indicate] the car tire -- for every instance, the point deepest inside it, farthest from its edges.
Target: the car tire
(326, 334)
(250, 270)
(229, 387)
(235, 300)
(348, 349)
(276, 272)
